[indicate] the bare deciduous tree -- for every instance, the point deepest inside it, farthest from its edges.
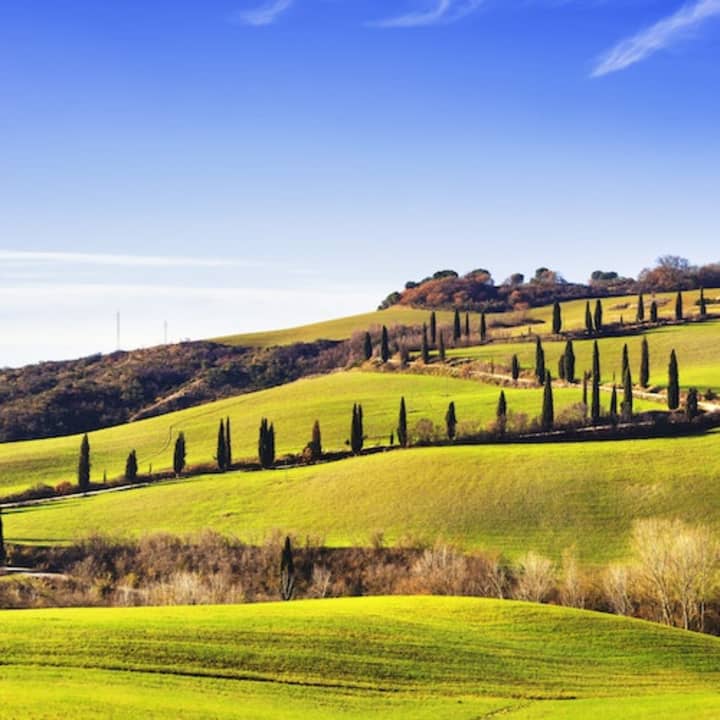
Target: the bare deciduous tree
(536, 578)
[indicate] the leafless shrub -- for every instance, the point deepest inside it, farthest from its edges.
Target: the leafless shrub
(572, 591)
(443, 570)
(320, 584)
(536, 578)
(616, 585)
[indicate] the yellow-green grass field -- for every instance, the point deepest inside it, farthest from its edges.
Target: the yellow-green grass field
(508, 499)
(293, 408)
(573, 319)
(419, 657)
(697, 346)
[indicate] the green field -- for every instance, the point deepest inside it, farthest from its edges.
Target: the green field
(573, 317)
(353, 658)
(697, 346)
(293, 408)
(498, 498)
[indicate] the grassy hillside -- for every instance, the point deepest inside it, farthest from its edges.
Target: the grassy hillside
(573, 316)
(697, 346)
(355, 658)
(293, 408)
(507, 498)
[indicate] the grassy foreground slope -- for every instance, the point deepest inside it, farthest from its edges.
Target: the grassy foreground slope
(293, 408)
(508, 498)
(540, 319)
(353, 658)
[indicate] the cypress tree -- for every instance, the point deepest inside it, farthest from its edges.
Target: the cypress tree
(703, 303)
(595, 404)
(653, 312)
(569, 358)
(588, 319)
(425, 348)
(266, 444)
(644, 363)
(3, 555)
(501, 413)
(557, 318)
(548, 410)
(627, 405)
(679, 306)
(641, 309)
(221, 454)
(228, 444)
(451, 421)
(384, 345)
(131, 467)
(287, 572)
(691, 404)
(316, 442)
(402, 433)
(179, 454)
(598, 316)
(515, 368)
(561, 367)
(441, 349)
(84, 465)
(483, 328)
(367, 347)
(673, 383)
(625, 359)
(456, 326)
(467, 325)
(614, 404)
(585, 391)
(356, 430)
(433, 328)
(539, 361)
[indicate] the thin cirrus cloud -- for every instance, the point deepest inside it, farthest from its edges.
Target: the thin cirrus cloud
(441, 12)
(657, 37)
(265, 14)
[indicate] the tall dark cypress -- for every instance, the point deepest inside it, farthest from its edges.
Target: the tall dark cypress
(316, 441)
(402, 433)
(483, 328)
(131, 467)
(467, 325)
(451, 421)
(627, 404)
(501, 413)
(561, 367)
(266, 444)
(548, 409)
(557, 319)
(625, 360)
(644, 363)
(228, 444)
(384, 345)
(456, 326)
(179, 454)
(702, 303)
(221, 454)
(653, 312)
(425, 350)
(614, 404)
(673, 392)
(441, 348)
(569, 360)
(515, 367)
(539, 361)
(679, 306)
(433, 328)
(588, 319)
(84, 465)
(356, 430)
(598, 317)
(691, 404)
(595, 402)
(585, 390)
(367, 346)
(640, 308)
(287, 572)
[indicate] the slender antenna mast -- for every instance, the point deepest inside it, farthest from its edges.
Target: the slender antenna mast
(117, 328)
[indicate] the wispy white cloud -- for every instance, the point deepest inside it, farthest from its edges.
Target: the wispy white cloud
(657, 37)
(440, 12)
(102, 259)
(263, 15)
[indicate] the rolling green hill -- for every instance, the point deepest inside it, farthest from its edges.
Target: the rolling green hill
(539, 319)
(507, 498)
(293, 408)
(353, 658)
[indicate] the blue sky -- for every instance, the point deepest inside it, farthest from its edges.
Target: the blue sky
(231, 166)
